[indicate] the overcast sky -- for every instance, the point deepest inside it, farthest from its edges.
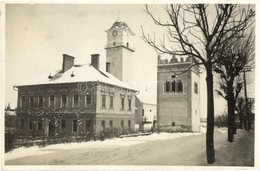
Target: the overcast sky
(38, 35)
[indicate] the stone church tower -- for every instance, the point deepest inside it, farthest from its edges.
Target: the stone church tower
(119, 52)
(178, 94)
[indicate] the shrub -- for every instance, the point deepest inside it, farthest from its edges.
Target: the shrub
(10, 138)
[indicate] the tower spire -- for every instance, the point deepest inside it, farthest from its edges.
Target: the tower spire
(118, 15)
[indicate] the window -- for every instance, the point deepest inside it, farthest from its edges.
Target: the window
(142, 112)
(108, 65)
(22, 101)
(40, 101)
(88, 99)
(127, 44)
(122, 124)
(30, 125)
(63, 124)
(182, 59)
(111, 125)
(173, 86)
(31, 101)
(76, 100)
(63, 101)
(129, 104)
(74, 126)
(103, 124)
(195, 88)
(39, 125)
(88, 125)
(114, 43)
(122, 103)
(173, 123)
(103, 100)
(111, 102)
(51, 104)
(180, 86)
(167, 86)
(129, 124)
(22, 124)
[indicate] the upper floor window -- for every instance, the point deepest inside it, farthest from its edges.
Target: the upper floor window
(88, 99)
(22, 104)
(173, 86)
(63, 100)
(114, 43)
(127, 44)
(51, 102)
(129, 104)
(108, 65)
(31, 102)
(111, 102)
(40, 101)
(103, 100)
(196, 88)
(142, 112)
(122, 103)
(76, 100)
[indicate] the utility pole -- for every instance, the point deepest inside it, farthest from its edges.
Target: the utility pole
(246, 69)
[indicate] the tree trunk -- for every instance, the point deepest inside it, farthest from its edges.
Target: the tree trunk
(210, 117)
(231, 111)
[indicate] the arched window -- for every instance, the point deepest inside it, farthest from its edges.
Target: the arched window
(181, 60)
(127, 44)
(173, 86)
(179, 86)
(195, 88)
(114, 43)
(167, 86)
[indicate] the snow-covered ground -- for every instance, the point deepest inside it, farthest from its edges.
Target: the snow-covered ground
(110, 143)
(177, 149)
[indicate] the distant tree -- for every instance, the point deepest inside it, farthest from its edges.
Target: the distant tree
(199, 31)
(237, 54)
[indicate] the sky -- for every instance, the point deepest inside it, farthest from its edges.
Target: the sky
(38, 34)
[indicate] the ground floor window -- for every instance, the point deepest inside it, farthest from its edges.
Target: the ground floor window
(122, 124)
(88, 125)
(111, 125)
(74, 126)
(63, 124)
(30, 125)
(22, 124)
(39, 125)
(129, 124)
(103, 124)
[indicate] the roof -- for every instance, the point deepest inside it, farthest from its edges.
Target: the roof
(146, 97)
(120, 24)
(81, 73)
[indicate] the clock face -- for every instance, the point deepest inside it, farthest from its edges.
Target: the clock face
(114, 33)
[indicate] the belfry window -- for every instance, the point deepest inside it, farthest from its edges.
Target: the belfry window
(180, 86)
(196, 88)
(167, 86)
(173, 86)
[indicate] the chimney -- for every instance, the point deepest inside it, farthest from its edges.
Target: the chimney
(95, 60)
(68, 62)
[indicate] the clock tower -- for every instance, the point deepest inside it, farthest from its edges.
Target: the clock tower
(119, 52)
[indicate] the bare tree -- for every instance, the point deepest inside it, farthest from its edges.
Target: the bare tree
(200, 30)
(237, 54)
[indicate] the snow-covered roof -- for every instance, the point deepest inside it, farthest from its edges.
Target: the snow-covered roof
(120, 24)
(146, 97)
(77, 73)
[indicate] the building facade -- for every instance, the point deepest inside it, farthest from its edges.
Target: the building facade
(178, 100)
(76, 100)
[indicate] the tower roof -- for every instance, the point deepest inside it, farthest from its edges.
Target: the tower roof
(120, 24)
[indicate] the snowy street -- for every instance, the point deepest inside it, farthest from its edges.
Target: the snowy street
(156, 149)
